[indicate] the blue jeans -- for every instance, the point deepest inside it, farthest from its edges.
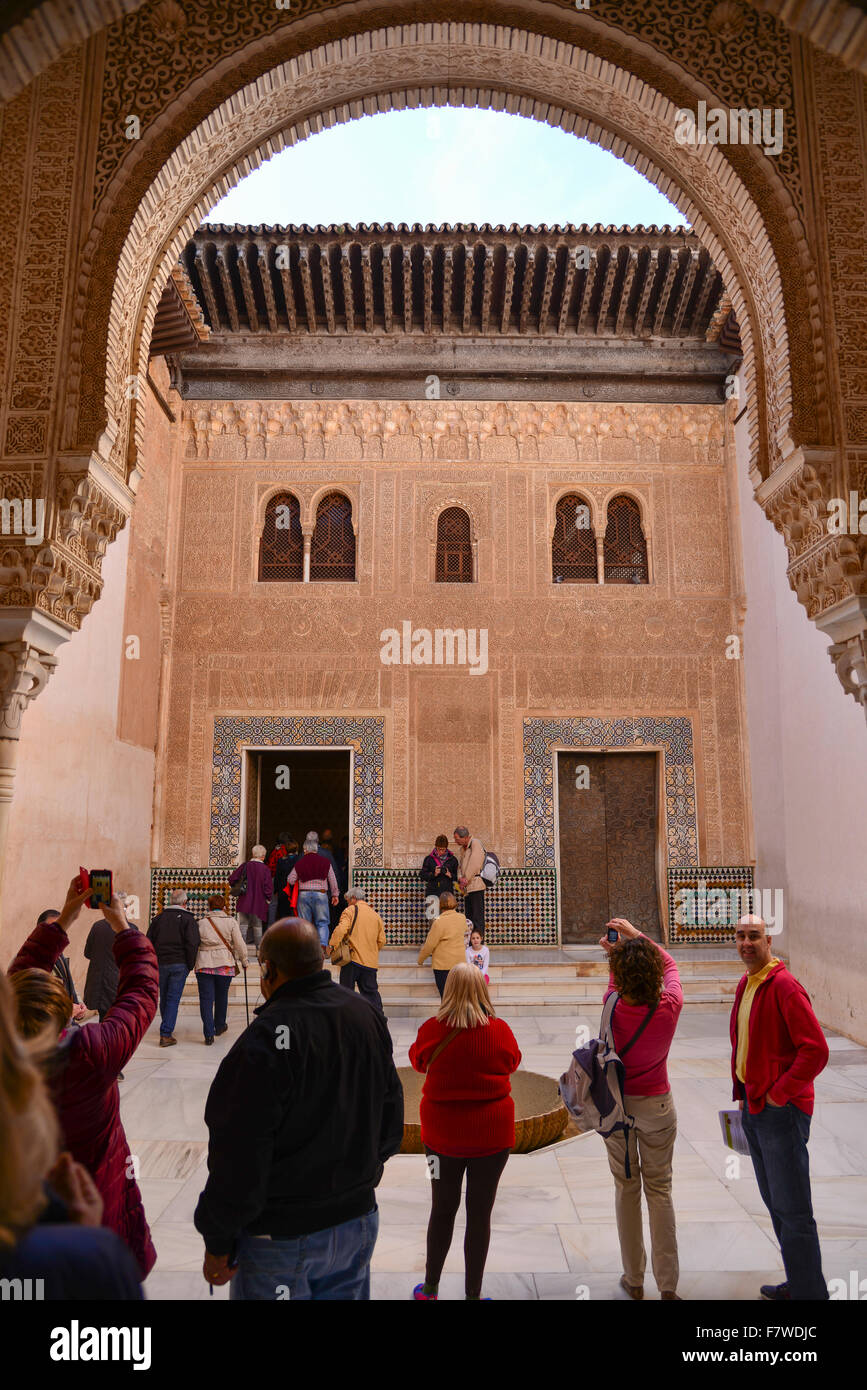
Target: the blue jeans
(333, 1264)
(777, 1137)
(213, 1001)
(314, 907)
(172, 981)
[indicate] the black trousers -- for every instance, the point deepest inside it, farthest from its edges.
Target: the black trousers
(365, 977)
(441, 976)
(474, 908)
(446, 1175)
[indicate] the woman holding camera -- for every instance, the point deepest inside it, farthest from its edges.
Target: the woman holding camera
(650, 999)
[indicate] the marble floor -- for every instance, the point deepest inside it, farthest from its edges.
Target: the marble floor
(553, 1228)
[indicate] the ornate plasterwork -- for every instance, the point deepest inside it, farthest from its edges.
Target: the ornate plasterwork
(440, 431)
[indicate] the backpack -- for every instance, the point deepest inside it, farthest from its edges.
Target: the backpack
(490, 868)
(592, 1088)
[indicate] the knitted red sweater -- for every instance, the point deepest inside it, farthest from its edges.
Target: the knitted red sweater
(466, 1108)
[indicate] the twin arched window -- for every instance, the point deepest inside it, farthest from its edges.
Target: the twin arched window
(332, 545)
(573, 547)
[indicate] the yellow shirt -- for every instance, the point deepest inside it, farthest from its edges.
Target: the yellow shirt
(446, 941)
(746, 1004)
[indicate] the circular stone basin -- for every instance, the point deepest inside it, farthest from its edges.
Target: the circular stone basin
(540, 1115)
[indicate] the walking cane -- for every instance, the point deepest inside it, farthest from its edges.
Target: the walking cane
(246, 1000)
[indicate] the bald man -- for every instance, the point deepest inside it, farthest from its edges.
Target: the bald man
(303, 1113)
(778, 1048)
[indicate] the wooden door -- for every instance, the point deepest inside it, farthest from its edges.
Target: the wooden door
(607, 843)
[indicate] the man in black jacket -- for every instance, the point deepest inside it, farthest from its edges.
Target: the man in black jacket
(174, 933)
(302, 1115)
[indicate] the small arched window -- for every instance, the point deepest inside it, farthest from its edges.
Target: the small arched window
(454, 563)
(573, 548)
(332, 549)
(281, 549)
(625, 546)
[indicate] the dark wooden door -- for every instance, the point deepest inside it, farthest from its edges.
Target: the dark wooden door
(607, 843)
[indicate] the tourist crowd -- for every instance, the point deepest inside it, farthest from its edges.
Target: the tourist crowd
(307, 1107)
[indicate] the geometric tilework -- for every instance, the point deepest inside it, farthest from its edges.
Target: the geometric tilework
(715, 897)
(199, 884)
(672, 735)
(365, 736)
(520, 910)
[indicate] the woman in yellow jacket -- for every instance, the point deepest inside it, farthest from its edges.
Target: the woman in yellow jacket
(446, 941)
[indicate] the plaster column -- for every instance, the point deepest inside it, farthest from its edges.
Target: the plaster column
(28, 642)
(600, 559)
(307, 533)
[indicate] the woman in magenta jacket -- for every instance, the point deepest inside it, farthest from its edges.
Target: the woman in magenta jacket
(467, 1119)
(83, 1071)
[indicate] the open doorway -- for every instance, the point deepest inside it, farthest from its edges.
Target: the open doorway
(296, 790)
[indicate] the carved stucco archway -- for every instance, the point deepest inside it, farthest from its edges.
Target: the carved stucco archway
(488, 66)
(793, 464)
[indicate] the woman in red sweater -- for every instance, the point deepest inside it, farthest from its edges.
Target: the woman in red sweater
(467, 1120)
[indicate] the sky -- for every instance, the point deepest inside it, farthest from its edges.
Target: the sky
(446, 165)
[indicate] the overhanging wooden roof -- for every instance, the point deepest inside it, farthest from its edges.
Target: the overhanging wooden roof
(627, 312)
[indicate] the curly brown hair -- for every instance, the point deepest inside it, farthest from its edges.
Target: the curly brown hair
(636, 965)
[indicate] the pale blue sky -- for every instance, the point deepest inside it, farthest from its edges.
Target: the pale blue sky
(446, 165)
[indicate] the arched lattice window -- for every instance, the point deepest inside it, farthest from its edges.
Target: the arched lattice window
(281, 549)
(625, 546)
(454, 547)
(332, 549)
(573, 549)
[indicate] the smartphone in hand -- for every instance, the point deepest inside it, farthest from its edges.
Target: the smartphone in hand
(613, 935)
(100, 887)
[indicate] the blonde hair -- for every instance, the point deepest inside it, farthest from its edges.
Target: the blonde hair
(466, 1001)
(28, 1123)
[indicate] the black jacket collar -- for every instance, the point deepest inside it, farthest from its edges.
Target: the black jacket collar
(308, 984)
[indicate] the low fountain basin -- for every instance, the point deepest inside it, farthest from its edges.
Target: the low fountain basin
(540, 1115)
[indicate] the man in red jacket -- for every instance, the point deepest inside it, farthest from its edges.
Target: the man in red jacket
(777, 1049)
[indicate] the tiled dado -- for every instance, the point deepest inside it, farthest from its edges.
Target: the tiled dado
(520, 910)
(543, 737)
(365, 736)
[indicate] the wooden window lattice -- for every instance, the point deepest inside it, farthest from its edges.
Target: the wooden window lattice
(281, 548)
(625, 546)
(332, 549)
(573, 548)
(454, 562)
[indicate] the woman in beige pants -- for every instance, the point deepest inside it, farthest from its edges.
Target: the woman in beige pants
(650, 999)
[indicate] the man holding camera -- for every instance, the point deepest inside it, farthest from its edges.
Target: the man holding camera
(778, 1048)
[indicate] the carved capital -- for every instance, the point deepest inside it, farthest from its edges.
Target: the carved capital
(28, 643)
(846, 625)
